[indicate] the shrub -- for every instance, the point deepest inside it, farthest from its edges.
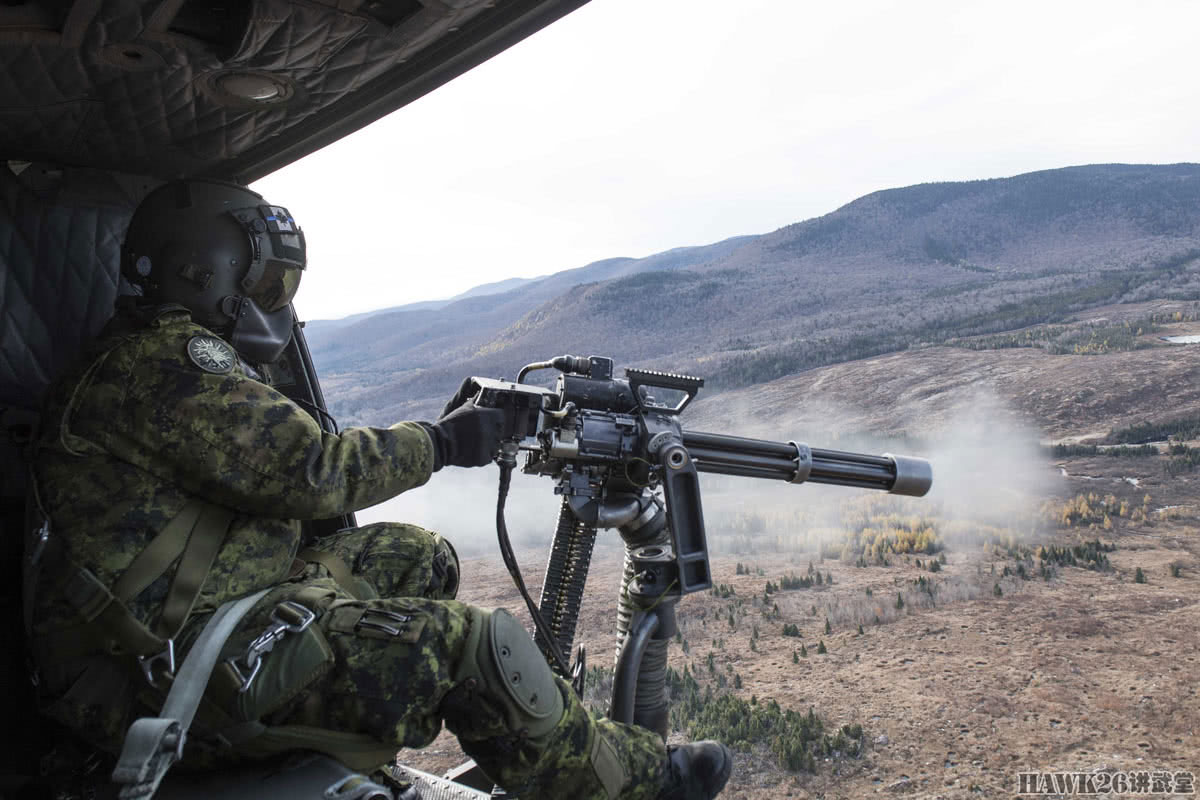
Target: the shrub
(791, 630)
(1139, 576)
(996, 590)
(795, 740)
(1089, 555)
(791, 582)
(821, 648)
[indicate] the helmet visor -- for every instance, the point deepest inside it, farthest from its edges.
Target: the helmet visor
(277, 286)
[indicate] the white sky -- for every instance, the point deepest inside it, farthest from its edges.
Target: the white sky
(634, 126)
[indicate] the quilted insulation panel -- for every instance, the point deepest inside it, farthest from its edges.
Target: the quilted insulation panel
(183, 87)
(60, 240)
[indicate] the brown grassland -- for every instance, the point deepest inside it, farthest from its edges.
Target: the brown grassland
(988, 674)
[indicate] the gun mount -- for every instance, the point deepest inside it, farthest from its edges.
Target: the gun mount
(620, 459)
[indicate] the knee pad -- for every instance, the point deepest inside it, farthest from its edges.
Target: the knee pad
(505, 665)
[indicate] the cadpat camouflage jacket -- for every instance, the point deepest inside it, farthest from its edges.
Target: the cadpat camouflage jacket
(162, 412)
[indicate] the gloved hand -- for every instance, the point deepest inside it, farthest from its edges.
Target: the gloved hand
(466, 391)
(468, 436)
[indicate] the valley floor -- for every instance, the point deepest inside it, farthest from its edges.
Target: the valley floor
(1090, 671)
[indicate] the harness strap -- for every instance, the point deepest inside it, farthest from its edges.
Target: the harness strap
(338, 570)
(207, 536)
(154, 744)
(106, 617)
(158, 556)
(193, 536)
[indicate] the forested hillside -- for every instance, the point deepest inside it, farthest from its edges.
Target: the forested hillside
(893, 270)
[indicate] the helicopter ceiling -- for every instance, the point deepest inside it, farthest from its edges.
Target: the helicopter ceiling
(229, 89)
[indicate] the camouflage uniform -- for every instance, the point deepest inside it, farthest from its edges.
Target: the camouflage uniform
(138, 430)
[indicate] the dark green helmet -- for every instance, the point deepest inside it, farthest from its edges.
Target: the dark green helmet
(222, 252)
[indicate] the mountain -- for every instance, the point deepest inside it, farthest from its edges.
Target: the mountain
(896, 269)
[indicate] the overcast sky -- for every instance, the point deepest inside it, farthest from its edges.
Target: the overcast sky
(633, 126)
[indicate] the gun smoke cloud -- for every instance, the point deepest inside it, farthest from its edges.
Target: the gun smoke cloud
(988, 472)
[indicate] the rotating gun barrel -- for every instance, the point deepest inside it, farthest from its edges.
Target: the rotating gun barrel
(797, 462)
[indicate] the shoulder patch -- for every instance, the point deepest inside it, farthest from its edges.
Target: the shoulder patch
(211, 354)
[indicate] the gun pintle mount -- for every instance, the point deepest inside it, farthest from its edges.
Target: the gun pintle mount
(620, 459)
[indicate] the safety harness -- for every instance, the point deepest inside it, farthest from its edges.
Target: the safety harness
(193, 537)
(109, 627)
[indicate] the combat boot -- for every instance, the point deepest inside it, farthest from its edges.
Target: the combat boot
(696, 771)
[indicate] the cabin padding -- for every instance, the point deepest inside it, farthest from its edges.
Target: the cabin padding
(59, 269)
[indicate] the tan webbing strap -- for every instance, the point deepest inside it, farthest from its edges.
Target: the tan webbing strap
(156, 559)
(107, 617)
(338, 569)
(207, 536)
(197, 532)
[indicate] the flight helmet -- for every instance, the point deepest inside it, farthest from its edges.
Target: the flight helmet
(225, 254)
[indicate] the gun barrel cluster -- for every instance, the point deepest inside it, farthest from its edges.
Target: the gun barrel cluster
(760, 458)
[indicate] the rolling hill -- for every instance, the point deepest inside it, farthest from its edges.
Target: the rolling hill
(893, 270)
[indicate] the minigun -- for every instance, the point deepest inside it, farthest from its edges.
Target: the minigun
(613, 446)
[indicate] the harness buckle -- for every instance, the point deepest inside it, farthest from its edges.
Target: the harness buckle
(148, 663)
(383, 627)
(287, 617)
(41, 536)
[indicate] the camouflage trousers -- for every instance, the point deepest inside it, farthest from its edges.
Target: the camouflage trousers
(398, 638)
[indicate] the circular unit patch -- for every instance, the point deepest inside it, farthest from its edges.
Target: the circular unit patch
(211, 354)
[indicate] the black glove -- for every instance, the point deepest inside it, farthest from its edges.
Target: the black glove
(466, 391)
(468, 436)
